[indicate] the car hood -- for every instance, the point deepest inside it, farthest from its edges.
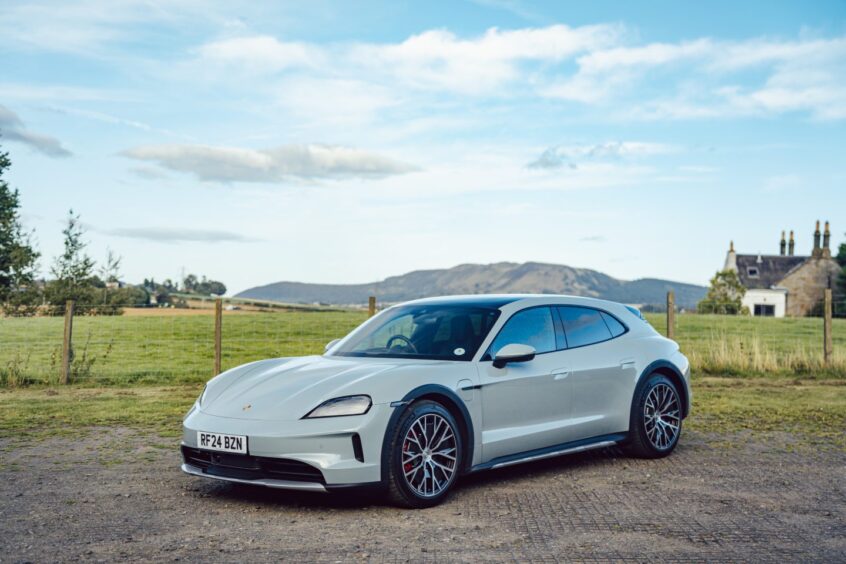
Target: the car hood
(287, 389)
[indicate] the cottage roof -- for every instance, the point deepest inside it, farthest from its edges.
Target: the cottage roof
(758, 272)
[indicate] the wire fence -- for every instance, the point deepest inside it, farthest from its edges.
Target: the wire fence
(171, 346)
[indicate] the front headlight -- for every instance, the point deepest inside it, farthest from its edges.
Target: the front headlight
(338, 407)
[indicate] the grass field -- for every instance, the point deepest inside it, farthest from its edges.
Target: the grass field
(757, 375)
(176, 349)
(161, 349)
(757, 346)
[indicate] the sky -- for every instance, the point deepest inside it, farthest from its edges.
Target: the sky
(340, 142)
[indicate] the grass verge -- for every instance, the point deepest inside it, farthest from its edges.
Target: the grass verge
(810, 409)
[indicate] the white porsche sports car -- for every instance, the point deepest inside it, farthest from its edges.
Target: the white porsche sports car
(429, 390)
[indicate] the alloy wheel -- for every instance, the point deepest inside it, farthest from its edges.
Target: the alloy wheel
(429, 455)
(661, 416)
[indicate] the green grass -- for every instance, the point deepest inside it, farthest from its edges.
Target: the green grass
(174, 349)
(40, 412)
(757, 347)
(161, 349)
(814, 410)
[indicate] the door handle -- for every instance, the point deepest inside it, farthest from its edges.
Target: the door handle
(561, 374)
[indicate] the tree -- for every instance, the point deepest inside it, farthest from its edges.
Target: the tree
(189, 284)
(110, 270)
(19, 294)
(192, 285)
(73, 270)
(724, 295)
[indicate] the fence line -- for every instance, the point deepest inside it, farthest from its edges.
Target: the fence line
(164, 346)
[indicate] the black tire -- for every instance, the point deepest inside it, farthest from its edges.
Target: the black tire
(650, 436)
(422, 414)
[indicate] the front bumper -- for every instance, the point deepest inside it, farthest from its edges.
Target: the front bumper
(325, 444)
(267, 482)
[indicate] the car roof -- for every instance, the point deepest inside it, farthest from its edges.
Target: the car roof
(494, 301)
(497, 301)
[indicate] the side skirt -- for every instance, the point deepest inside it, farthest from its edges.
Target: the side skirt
(548, 452)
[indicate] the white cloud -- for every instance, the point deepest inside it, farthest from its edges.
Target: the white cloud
(177, 235)
(280, 164)
(704, 78)
(572, 155)
(13, 129)
(261, 53)
(439, 60)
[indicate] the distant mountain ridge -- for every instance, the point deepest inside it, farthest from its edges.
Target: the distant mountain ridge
(498, 278)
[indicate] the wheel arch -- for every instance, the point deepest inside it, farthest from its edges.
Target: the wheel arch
(668, 369)
(451, 402)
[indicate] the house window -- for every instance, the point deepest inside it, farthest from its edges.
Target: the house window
(752, 271)
(764, 310)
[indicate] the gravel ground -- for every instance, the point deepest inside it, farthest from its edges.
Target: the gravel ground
(117, 494)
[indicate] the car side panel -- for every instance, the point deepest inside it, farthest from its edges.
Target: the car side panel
(525, 405)
(604, 377)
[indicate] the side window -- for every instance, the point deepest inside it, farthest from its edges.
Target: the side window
(614, 326)
(528, 327)
(583, 326)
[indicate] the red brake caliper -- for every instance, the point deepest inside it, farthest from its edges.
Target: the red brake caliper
(406, 449)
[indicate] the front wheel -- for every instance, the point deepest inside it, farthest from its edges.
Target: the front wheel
(656, 421)
(425, 456)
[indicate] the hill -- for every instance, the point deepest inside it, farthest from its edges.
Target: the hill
(502, 277)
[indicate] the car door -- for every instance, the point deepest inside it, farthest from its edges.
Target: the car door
(525, 405)
(601, 371)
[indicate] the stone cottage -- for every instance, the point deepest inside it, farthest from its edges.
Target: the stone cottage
(786, 284)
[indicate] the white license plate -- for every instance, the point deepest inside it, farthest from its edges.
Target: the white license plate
(222, 442)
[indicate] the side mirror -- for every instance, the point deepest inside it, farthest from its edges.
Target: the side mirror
(513, 353)
(330, 344)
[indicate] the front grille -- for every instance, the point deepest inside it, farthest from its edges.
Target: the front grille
(246, 467)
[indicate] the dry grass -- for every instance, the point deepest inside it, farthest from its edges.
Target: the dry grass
(751, 355)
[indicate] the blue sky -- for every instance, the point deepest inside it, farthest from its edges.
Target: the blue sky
(340, 142)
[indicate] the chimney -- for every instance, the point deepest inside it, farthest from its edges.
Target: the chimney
(817, 250)
(731, 258)
(782, 246)
(826, 250)
(791, 245)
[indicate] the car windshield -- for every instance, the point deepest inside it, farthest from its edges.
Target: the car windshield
(437, 332)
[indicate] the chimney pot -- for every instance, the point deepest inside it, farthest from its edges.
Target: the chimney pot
(782, 245)
(791, 245)
(826, 241)
(817, 250)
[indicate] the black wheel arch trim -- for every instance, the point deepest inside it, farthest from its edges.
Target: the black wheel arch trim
(428, 390)
(658, 366)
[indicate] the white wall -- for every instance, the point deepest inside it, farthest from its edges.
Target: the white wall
(778, 298)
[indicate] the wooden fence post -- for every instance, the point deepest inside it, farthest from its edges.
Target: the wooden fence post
(371, 306)
(67, 344)
(671, 315)
(828, 344)
(218, 334)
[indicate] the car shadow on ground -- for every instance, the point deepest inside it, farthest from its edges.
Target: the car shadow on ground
(357, 499)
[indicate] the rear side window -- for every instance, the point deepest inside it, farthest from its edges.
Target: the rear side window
(532, 327)
(614, 326)
(583, 326)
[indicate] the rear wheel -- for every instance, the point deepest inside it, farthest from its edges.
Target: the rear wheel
(656, 421)
(425, 456)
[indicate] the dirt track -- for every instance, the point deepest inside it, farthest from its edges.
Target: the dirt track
(110, 497)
